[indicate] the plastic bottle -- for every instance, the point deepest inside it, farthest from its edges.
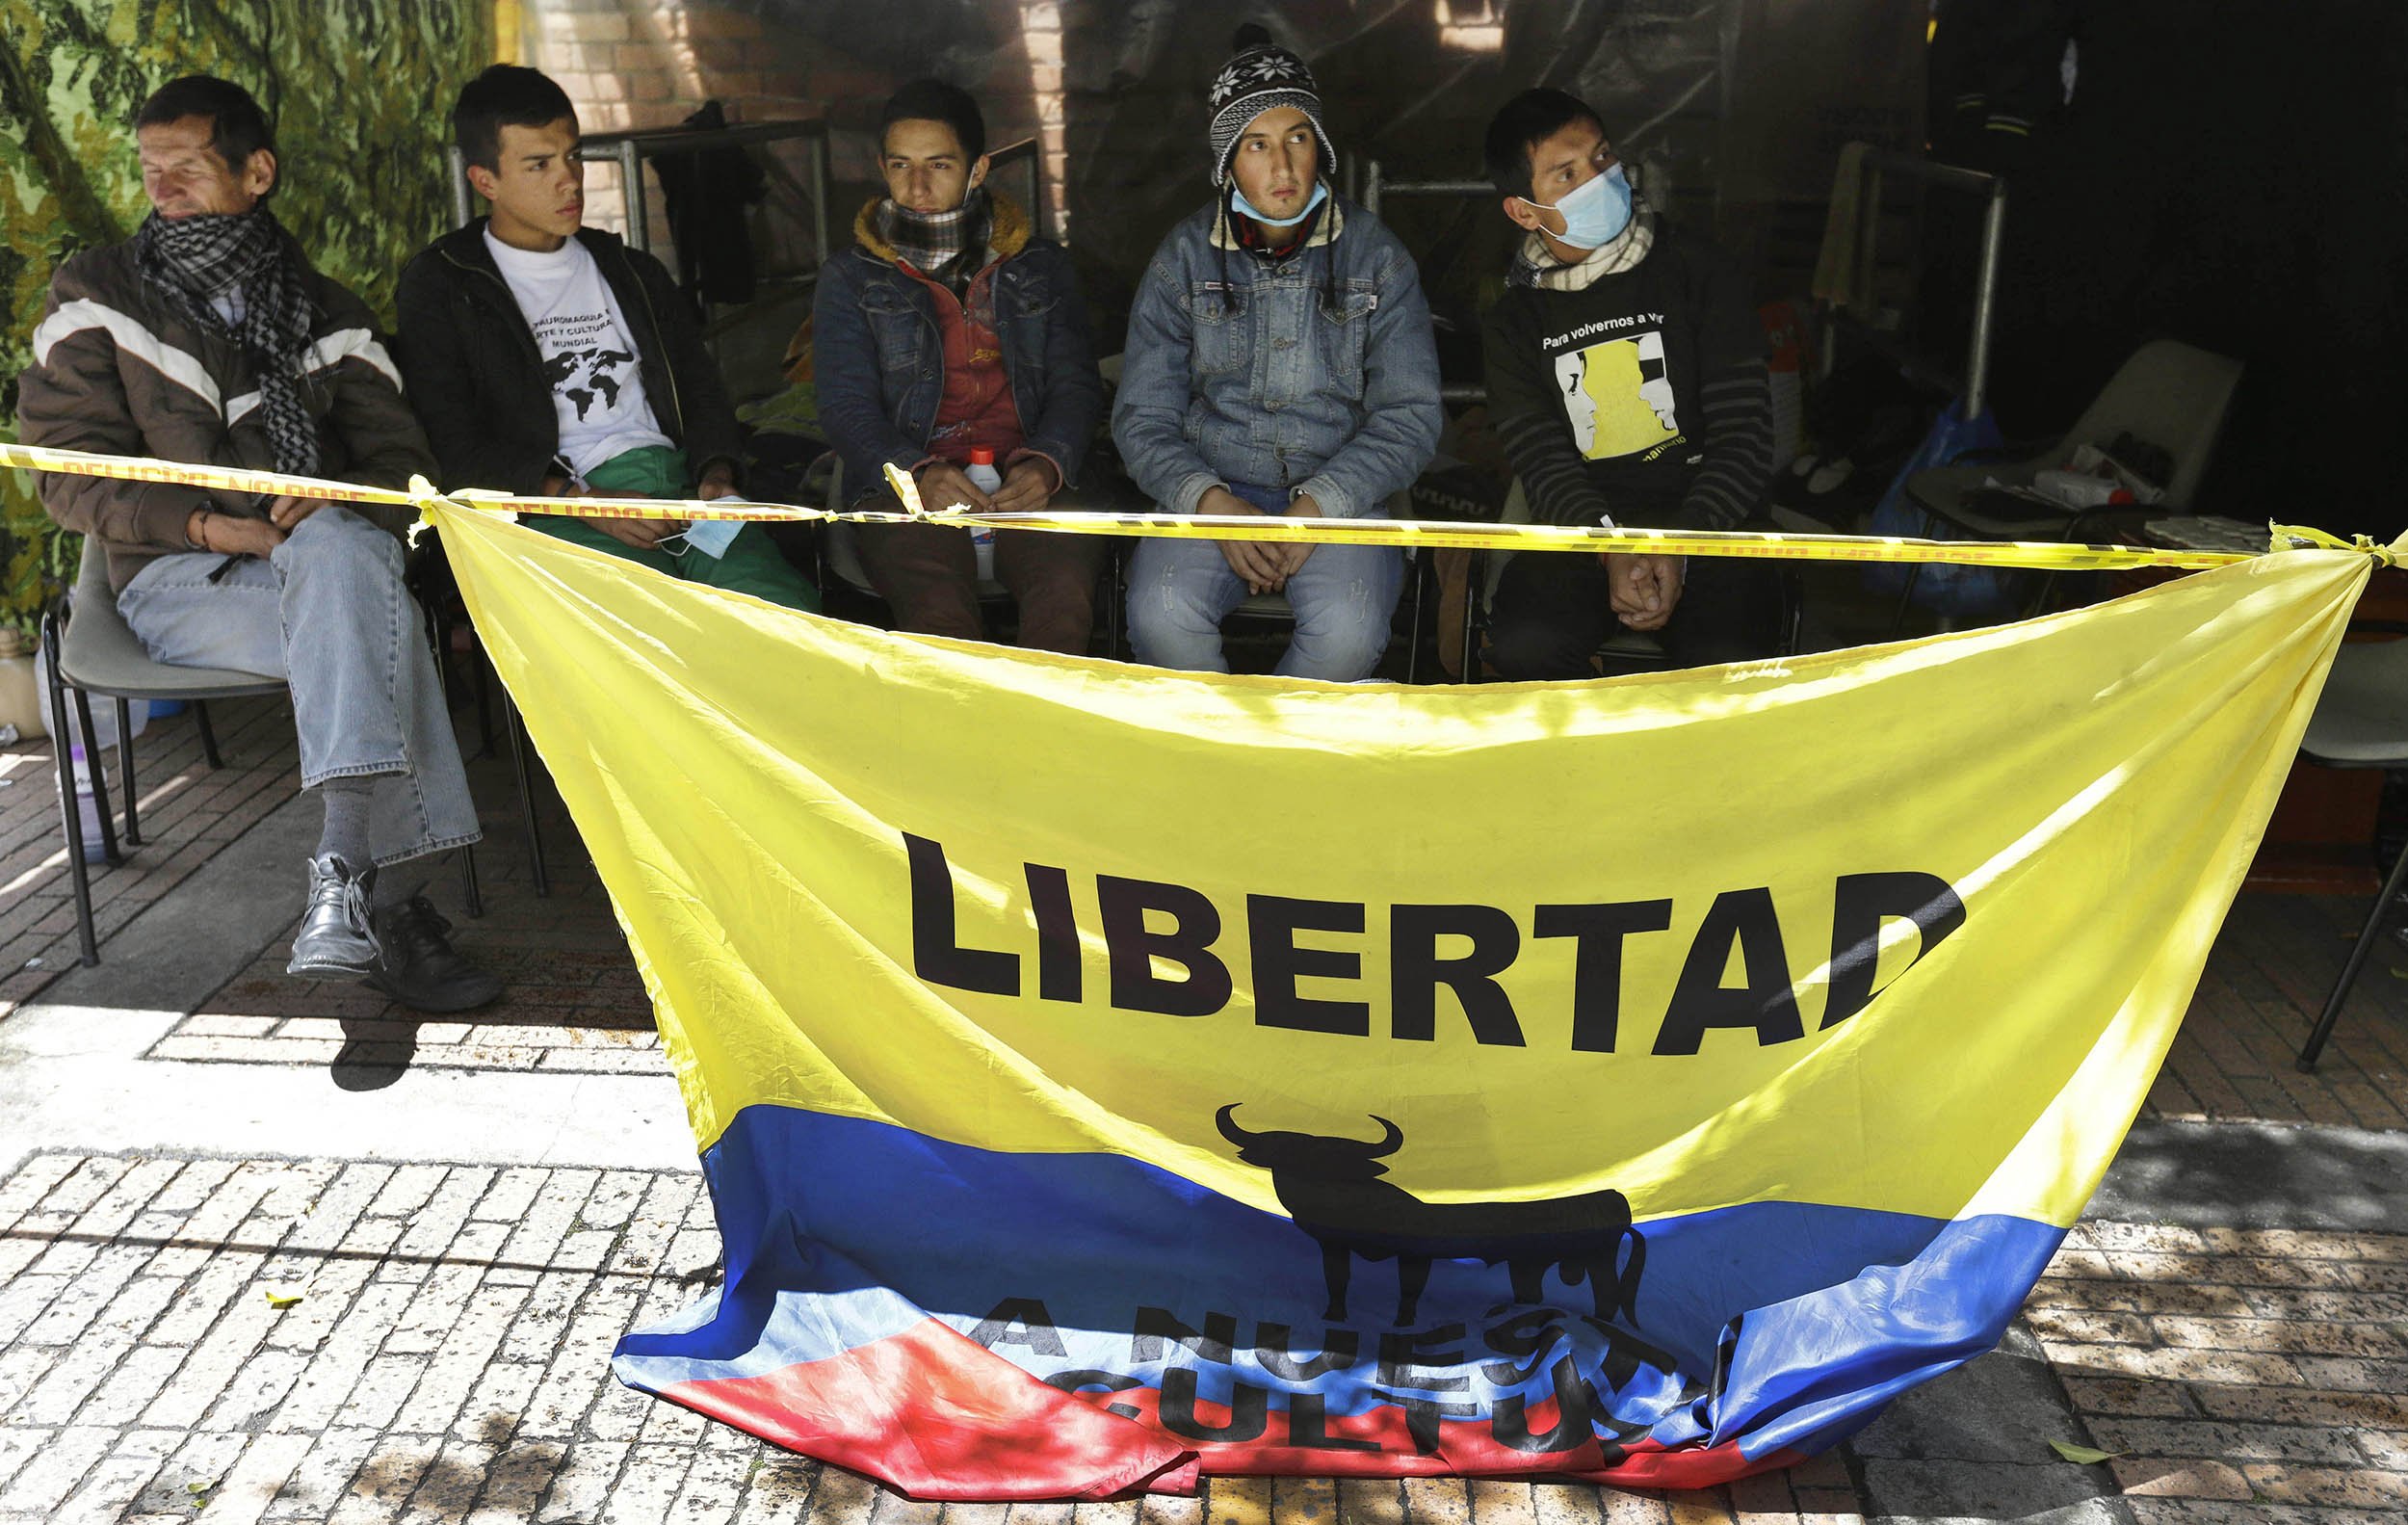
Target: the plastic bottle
(20, 702)
(987, 479)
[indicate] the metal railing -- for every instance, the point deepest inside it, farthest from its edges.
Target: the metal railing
(1973, 385)
(1024, 152)
(1375, 186)
(629, 149)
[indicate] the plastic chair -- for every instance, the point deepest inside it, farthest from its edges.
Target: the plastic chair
(2168, 394)
(90, 650)
(2361, 721)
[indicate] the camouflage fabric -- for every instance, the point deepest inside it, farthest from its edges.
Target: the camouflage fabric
(348, 84)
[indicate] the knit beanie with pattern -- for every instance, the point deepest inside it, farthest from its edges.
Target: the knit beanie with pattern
(1262, 75)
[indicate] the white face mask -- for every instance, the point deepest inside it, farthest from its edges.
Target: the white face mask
(1594, 212)
(1237, 199)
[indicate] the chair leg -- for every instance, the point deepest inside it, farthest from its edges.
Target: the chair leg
(208, 734)
(99, 777)
(520, 750)
(71, 819)
(1474, 571)
(1114, 604)
(2358, 951)
(125, 774)
(471, 898)
(1906, 598)
(483, 670)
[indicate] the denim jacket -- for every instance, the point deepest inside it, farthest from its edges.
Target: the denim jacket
(878, 354)
(1276, 389)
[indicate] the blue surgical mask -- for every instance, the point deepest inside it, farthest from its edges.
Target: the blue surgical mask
(1237, 199)
(1595, 212)
(710, 536)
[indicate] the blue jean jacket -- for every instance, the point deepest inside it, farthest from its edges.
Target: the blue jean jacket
(1276, 389)
(880, 359)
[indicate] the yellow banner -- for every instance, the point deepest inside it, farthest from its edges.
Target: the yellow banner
(1036, 904)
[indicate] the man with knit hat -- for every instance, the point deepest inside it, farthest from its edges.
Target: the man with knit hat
(948, 335)
(1279, 361)
(1627, 383)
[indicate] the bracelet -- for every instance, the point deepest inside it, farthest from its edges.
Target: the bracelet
(201, 542)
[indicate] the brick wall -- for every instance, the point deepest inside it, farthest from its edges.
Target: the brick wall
(636, 63)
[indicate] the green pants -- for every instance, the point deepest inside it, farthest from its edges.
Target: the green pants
(751, 566)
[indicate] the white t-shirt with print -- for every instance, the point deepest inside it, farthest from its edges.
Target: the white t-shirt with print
(588, 354)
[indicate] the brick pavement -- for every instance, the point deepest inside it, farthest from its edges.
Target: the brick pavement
(2245, 1375)
(444, 1358)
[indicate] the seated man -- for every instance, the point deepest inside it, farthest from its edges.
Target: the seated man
(550, 359)
(208, 337)
(1279, 361)
(1626, 382)
(946, 328)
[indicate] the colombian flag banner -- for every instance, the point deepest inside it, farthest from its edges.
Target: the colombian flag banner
(1107, 1077)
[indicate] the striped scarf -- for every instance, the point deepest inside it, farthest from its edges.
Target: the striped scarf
(195, 261)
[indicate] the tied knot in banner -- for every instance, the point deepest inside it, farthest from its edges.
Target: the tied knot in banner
(2294, 536)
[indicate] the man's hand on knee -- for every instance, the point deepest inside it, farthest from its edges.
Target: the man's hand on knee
(642, 534)
(1643, 589)
(944, 485)
(231, 533)
(1291, 554)
(1257, 562)
(287, 512)
(1027, 488)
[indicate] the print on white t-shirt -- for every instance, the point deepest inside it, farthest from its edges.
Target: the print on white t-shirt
(590, 356)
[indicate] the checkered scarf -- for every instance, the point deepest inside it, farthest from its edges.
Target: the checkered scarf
(198, 259)
(934, 242)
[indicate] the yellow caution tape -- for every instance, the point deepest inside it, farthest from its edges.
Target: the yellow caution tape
(2038, 554)
(217, 478)
(2052, 556)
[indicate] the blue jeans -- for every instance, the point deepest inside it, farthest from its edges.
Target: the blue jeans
(328, 614)
(1343, 598)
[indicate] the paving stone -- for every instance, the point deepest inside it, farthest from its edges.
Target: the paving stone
(322, 1475)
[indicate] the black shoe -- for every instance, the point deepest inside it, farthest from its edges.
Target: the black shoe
(338, 931)
(420, 969)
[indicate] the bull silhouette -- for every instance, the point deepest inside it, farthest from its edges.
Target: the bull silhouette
(1331, 1187)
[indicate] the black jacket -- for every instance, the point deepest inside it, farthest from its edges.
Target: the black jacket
(476, 378)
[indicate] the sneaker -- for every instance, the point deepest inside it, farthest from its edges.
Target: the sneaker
(420, 969)
(338, 931)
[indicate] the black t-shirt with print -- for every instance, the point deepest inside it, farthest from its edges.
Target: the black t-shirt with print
(1619, 364)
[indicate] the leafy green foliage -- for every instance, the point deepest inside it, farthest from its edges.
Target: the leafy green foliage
(357, 89)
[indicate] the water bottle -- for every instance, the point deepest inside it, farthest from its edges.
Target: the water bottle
(987, 479)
